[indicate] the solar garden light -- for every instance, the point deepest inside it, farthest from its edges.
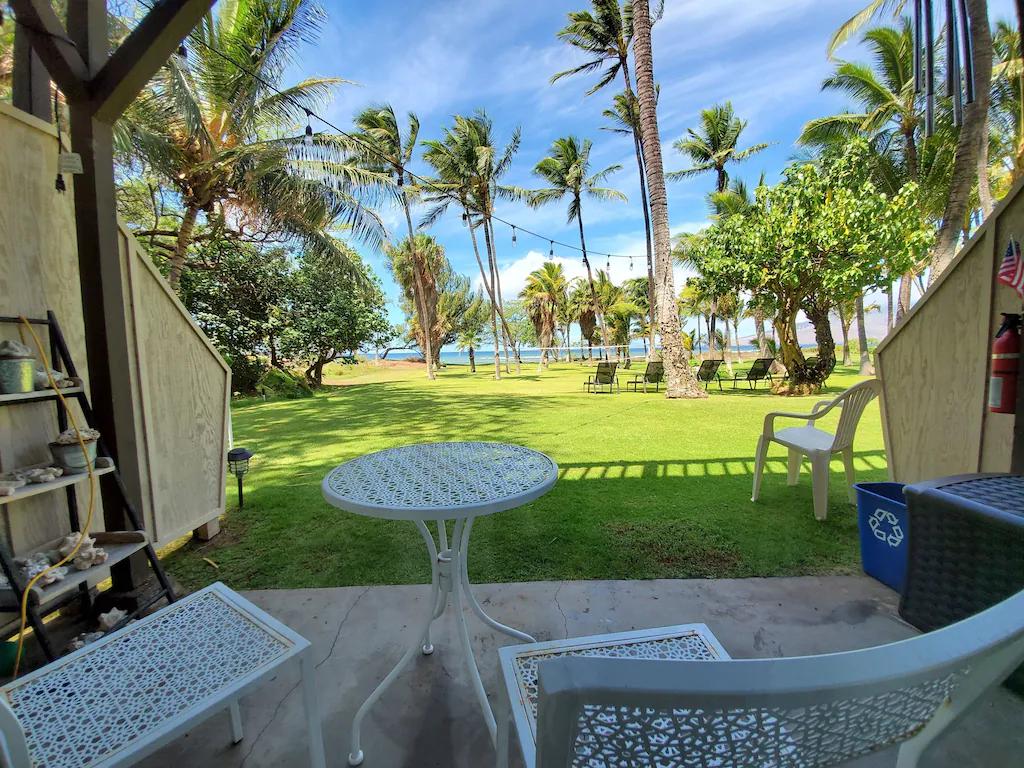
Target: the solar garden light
(238, 465)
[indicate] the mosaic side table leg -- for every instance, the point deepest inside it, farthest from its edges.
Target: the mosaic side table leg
(356, 753)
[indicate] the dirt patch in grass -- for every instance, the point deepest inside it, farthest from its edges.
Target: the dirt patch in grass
(672, 549)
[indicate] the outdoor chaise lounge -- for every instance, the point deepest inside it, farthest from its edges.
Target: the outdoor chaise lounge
(123, 697)
(605, 377)
(708, 372)
(761, 370)
(817, 444)
(673, 696)
(654, 374)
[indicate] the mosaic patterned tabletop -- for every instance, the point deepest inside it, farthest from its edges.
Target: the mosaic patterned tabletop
(440, 480)
(98, 703)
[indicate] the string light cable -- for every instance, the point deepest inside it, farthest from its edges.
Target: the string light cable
(92, 496)
(422, 180)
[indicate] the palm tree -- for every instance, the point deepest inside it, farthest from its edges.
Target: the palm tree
(545, 294)
(714, 145)
(419, 297)
(468, 340)
(566, 169)
(222, 139)
(889, 113)
(606, 35)
(382, 148)
(846, 311)
(580, 309)
(618, 308)
(469, 168)
(625, 117)
(679, 379)
(1007, 114)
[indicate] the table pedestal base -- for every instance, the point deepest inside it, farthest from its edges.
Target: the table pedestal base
(449, 579)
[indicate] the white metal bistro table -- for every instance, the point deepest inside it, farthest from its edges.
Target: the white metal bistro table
(441, 481)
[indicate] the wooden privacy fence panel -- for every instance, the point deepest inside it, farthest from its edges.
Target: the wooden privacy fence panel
(934, 365)
(180, 384)
(184, 388)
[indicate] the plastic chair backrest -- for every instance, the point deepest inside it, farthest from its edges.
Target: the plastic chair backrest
(760, 368)
(13, 747)
(808, 711)
(853, 402)
(655, 372)
(605, 373)
(708, 369)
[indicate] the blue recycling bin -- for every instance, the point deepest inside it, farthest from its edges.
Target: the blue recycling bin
(882, 519)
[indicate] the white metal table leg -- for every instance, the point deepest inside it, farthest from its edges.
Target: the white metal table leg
(439, 596)
(471, 598)
(356, 754)
(236, 722)
(312, 706)
(460, 620)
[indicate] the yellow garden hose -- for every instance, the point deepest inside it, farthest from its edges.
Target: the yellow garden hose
(92, 497)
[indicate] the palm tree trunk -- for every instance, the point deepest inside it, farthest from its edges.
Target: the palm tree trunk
(590, 280)
(419, 290)
(728, 346)
(736, 333)
(492, 261)
(888, 307)
(472, 360)
(181, 245)
(679, 379)
(866, 369)
(984, 186)
(972, 133)
(906, 281)
(494, 305)
(762, 342)
(700, 349)
(844, 324)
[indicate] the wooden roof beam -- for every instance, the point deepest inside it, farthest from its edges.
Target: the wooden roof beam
(142, 54)
(50, 41)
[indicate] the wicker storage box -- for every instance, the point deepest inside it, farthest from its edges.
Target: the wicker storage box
(966, 549)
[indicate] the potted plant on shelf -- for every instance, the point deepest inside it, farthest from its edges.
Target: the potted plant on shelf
(67, 453)
(16, 367)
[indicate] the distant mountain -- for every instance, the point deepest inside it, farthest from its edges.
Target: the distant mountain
(874, 322)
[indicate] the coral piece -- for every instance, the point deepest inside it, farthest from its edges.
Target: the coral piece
(37, 564)
(83, 640)
(40, 474)
(70, 437)
(70, 542)
(42, 381)
(14, 350)
(88, 557)
(8, 487)
(112, 618)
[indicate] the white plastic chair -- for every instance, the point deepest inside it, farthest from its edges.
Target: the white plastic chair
(816, 444)
(123, 697)
(809, 711)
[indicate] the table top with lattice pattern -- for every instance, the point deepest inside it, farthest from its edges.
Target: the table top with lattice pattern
(440, 480)
(107, 698)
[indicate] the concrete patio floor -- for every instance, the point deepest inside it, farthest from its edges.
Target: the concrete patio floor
(430, 717)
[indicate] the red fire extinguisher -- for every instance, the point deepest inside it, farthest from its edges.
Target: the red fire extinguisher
(1002, 387)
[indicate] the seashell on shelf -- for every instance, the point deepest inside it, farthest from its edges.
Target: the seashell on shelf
(87, 558)
(111, 618)
(71, 541)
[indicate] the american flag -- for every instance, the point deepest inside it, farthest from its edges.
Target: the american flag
(1012, 270)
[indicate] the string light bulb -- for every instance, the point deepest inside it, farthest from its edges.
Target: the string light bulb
(513, 237)
(465, 219)
(309, 129)
(630, 263)
(608, 265)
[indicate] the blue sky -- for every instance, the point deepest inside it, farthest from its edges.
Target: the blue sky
(442, 58)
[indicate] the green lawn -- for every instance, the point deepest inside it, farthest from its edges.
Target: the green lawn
(649, 488)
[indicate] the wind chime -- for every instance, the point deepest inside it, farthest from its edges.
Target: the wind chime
(959, 80)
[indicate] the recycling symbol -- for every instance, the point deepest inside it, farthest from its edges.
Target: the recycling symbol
(886, 527)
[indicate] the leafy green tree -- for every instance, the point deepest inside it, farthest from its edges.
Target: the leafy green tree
(567, 171)
(331, 313)
(618, 308)
(580, 309)
(1007, 114)
(469, 341)
(823, 235)
(223, 141)
(713, 145)
(240, 305)
(521, 330)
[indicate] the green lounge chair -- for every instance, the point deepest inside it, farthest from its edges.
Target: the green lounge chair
(761, 370)
(708, 372)
(605, 377)
(655, 374)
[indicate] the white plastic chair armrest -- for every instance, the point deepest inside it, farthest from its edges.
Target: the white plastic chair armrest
(769, 420)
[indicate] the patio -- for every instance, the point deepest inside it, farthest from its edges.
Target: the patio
(430, 717)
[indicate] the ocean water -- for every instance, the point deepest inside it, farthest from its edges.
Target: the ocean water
(486, 355)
